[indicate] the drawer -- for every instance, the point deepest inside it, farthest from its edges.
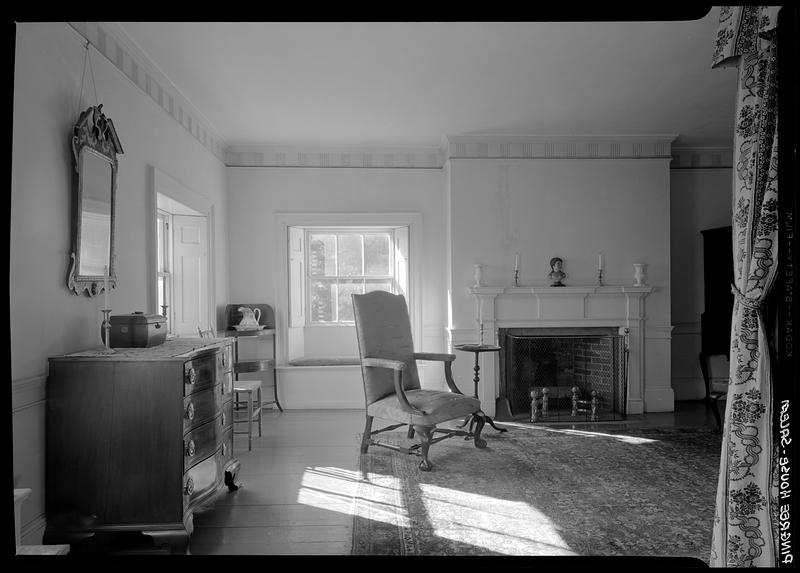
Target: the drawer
(200, 407)
(203, 440)
(225, 359)
(199, 373)
(227, 445)
(202, 479)
(226, 387)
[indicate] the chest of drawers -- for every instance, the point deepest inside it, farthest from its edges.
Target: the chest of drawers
(137, 440)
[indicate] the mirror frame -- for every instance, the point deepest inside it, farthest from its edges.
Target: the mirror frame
(92, 133)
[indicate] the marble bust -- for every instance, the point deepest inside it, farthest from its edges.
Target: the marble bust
(556, 274)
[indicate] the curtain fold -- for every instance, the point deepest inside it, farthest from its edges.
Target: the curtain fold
(744, 534)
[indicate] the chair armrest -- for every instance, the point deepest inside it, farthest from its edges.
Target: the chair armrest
(398, 367)
(448, 377)
(384, 363)
(434, 356)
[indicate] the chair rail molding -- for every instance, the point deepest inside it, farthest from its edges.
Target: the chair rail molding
(27, 392)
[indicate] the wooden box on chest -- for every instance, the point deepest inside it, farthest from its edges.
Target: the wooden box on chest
(138, 439)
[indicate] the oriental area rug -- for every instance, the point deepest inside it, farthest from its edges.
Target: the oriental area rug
(537, 491)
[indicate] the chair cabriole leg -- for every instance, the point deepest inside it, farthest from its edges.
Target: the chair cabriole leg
(480, 420)
(425, 435)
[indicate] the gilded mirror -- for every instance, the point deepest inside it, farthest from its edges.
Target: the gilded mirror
(95, 146)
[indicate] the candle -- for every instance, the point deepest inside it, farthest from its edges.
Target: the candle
(105, 286)
(600, 261)
(480, 311)
(516, 262)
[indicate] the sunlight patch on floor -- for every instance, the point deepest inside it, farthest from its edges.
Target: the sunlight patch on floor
(587, 433)
(503, 526)
(335, 489)
(618, 437)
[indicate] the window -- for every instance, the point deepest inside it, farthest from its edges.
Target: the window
(329, 264)
(163, 275)
(342, 263)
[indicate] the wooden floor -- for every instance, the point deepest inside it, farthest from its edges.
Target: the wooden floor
(298, 484)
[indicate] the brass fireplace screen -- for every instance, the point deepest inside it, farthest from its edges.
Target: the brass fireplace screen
(564, 374)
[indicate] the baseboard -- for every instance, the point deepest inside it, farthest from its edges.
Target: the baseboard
(659, 400)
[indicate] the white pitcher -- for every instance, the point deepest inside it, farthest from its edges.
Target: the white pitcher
(250, 317)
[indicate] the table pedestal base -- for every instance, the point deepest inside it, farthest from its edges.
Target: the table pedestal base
(477, 349)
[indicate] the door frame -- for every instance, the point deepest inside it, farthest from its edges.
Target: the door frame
(161, 183)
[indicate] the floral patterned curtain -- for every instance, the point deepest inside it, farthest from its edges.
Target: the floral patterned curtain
(746, 493)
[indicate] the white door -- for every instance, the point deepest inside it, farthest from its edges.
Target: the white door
(190, 271)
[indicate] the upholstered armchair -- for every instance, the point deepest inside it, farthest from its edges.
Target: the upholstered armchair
(392, 389)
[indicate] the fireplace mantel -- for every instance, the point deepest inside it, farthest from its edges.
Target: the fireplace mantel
(552, 307)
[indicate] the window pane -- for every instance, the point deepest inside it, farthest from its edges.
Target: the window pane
(373, 284)
(322, 255)
(347, 288)
(160, 239)
(323, 293)
(350, 255)
(161, 294)
(376, 255)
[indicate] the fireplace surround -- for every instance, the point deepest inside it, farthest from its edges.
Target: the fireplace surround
(563, 374)
(609, 307)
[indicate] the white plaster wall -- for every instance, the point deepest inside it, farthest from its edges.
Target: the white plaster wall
(46, 318)
(257, 194)
(700, 199)
(569, 208)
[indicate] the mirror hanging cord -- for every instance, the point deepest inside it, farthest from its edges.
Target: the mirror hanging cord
(87, 59)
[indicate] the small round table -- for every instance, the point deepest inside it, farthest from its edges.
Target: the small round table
(477, 349)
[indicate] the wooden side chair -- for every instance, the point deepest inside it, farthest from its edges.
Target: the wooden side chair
(246, 400)
(392, 388)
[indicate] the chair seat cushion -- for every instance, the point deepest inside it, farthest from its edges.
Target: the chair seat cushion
(439, 406)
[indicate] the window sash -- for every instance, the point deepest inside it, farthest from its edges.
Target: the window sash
(336, 280)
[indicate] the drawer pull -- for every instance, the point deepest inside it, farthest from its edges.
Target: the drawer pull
(223, 450)
(222, 419)
(190, 411)
(189, 487)
(191, 375)
(224, 359)
(190, 449)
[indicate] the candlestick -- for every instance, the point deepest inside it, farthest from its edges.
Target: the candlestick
(105, 286)
(481, 334)
(105, 331)
(516, 278)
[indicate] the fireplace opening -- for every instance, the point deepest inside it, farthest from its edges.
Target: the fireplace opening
(563, 374)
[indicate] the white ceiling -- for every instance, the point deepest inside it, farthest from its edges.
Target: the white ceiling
(410, 83)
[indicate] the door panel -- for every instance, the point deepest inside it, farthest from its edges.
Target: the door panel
(190, 268)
